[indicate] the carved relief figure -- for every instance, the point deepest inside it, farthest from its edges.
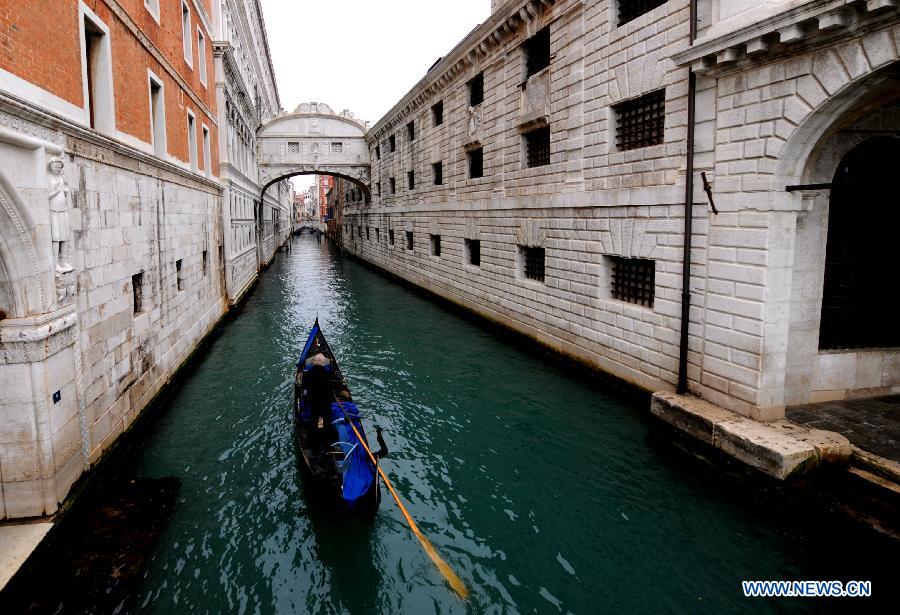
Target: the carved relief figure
(59, 215)
(473, 121)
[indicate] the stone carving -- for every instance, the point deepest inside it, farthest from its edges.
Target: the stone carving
(530, 234)
(473, 121)
(59, 215)
(65, 287)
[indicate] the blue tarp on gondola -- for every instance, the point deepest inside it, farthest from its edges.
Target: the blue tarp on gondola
(358, 471)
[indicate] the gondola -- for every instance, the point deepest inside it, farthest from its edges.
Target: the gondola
(338, 468)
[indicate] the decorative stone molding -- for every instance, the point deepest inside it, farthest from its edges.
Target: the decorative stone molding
(530, 234)
(30, 340)
(628, 238)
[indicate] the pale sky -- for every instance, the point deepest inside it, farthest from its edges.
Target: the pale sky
(362, 55)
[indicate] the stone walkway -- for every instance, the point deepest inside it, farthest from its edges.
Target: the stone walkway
(870, 424)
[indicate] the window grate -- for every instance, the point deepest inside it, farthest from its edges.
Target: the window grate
(476, 90)
(534, 263)
(632, 9)
(293, 147)
(476, 163)
(537, 145)
(435, 245)
(473, 248)
(537, 52)
(438, 168)
(337, 148)
(633, 280)
(641, 122)
(437, 112)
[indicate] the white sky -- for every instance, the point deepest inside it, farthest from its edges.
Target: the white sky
(362, 55)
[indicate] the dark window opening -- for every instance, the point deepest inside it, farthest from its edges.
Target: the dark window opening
(411, 131)
(377, 235)
(437, 112)
(476, 90)
(367, 233)
(392, 141)
(537, 52)
(633, 280)
(391, 236)
(179, 275)
(378, 152)
(411, 179)
(438, 169)
(378, 188)
(435, 245)
(205, 262)
(93, 39)
(533, 261)
(860, 251)
(632, 9)
(473, 251)
(476, 163)
(393, 183)
(641, 122)
(409, 240)
(537, 146)
(137, 292)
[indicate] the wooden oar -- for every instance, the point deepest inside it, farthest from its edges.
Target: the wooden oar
(455, 582)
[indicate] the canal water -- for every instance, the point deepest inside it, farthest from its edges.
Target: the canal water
(547, 491)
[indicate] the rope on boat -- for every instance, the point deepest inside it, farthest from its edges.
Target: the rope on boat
(452, 579)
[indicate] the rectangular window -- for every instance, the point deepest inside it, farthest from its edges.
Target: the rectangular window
(207, 152)
(367, 233)
(205, 262)
(137, 292)
(476, 163)
(186, 33)
(359, 231)
(632, 280)
(533, 263)
(179, 275)
(437, 113)
(411, 179)
(201, 55)
(632, 9)
(409, 240)
(640, 122)
(435, 245)
(153, 7)
(378, 152)
(97, 75)
(438, 170)
(337, 147)
(293, 147)
(473, 252)
(393, 183)
(476, 90)
(378, 188)
(157, 116)
(537, 147)
(377, 235)
(391, 236)
(392, 142)
(411, 131)
(537, 52)
(192, 140)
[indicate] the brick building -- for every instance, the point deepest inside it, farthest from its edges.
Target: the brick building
(537, 175)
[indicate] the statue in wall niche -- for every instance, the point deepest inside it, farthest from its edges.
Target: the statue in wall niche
(473, 121)
(59, 215)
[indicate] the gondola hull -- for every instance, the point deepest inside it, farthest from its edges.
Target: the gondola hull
(336, 467)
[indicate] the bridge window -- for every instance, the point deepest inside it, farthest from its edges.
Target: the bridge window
(411, 131)
(476, 163)
(473, 252)
(632, 9)
(337, 147)
(392, 141)
(377, 152)
(476, 90)
(435, 245)
(411, 178)
(437, 112)
(438, 170)
(537, 52)
(391, 236)
(409, 240)
(393, 182)
(532, 263)
(640, 122)
(293, 147)
(537, 147)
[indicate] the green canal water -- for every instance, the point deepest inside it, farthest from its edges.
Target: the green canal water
(547, 491)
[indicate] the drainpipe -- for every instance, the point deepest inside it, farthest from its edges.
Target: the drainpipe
(682, 386)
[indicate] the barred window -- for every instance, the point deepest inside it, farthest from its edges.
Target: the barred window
(337, 147)
(409, 240)
(435, 245)
(293, 147)
(632, 9)
(533, 263)
(437, 112)
(476, 90)
(640, 122)
(476, 163)
(537, 52)
(473, 251)
(411, 131)
(633, 280)
(391, 236)
(438, 170)
(537, 146)
(392, 141)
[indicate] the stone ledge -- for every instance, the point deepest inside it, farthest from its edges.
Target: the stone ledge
(780, 449)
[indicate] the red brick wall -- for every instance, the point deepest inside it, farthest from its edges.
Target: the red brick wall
(42, 45)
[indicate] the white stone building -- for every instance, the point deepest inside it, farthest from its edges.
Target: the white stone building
(536, 175)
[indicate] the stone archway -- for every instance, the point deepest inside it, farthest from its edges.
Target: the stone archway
(313, 139)
(23, 285)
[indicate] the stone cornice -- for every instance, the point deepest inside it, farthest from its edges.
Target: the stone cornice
(767, 36)
(493, 33)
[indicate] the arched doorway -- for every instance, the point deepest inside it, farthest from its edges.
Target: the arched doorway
(860, 253)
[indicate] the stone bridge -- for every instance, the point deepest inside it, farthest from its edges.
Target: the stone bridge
(314, 140)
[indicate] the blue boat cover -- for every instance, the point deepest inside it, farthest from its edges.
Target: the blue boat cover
(357, 468)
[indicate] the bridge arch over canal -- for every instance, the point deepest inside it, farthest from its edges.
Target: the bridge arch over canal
(313, 139)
